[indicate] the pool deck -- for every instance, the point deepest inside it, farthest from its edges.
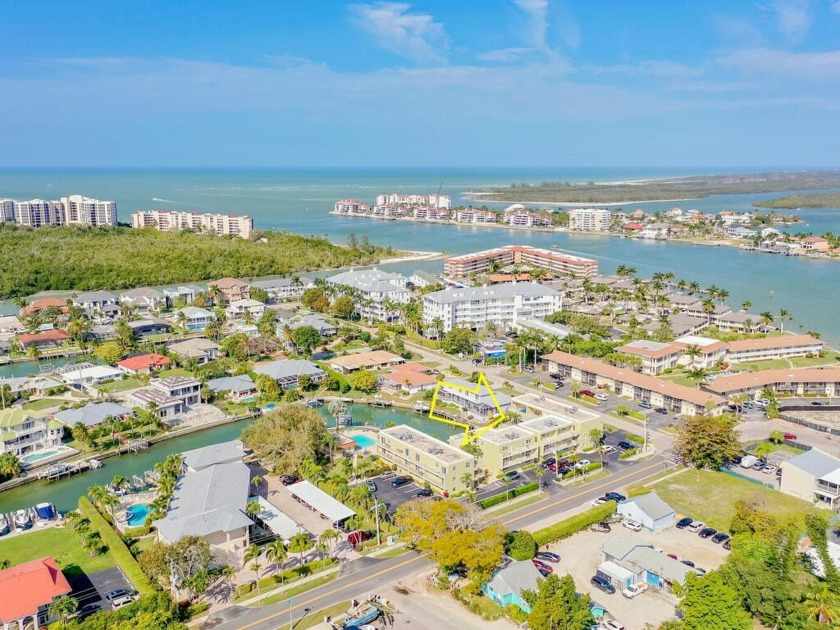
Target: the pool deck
(58, 453)
(363, 433)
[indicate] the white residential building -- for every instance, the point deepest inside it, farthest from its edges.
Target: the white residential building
(242, 308)
(172, 396)
(433, 200)
(371, 290)
(500, 304)
(7, 210)
(351, 206)
(38, 212)
(174, 221)
(590, 219)
(72, 210)
(21, 433)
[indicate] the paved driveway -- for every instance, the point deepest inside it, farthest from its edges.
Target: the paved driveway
(394, 497)
(91, 588)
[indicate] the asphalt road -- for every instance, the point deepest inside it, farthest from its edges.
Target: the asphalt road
(371, 575)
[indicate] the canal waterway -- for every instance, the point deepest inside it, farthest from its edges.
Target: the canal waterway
(66, 492)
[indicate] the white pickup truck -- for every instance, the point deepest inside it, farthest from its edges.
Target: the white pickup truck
(633, 590)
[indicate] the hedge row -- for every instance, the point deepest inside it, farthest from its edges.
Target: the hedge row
(639, 490)
(589, 468)
(287, 577)
(122, 556)
(628, 453)
(574, 524)
(501, 498)
(635, 438)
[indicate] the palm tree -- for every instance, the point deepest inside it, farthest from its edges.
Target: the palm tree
(821, 606)
(92, 544)
(276, 552)
(766, 319)
(783, 315)
(693, 351)
(111, 501)
(228, 573)
(96, 494)
(62, 608)
(575, 389)
(745, 305)
(252, 553)
(252, 509)
(300, 543)
(257, 481)
(329, 536)
(709, 308)
(119, 482)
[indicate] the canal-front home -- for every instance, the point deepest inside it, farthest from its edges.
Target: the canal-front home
(287, 372)
(94, 302)
(21, 433)
(236, 387)
(194, 318)
(143, 363)
(231, 289)
(143, 300)
(48, 339)
(172, 396)
(93, 414)
(200, 349)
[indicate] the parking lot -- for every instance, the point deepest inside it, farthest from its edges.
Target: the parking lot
(393, 497)
(91, 588)
(580, 556)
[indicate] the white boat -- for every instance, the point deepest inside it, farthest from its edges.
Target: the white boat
(4, 525)
(21, 520)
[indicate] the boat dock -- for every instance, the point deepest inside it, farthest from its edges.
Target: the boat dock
(61, 470)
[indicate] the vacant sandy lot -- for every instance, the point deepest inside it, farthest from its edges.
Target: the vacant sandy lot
(580, 555)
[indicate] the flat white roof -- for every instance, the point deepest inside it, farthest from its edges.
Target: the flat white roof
(322, 502)
(277, 521)
(695, 340)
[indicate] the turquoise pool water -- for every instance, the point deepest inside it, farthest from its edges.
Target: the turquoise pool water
(36, 457)
(363, 441)
(137, 514)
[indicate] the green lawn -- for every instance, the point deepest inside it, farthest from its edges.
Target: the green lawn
(680, 378)
(121, 385)
(43, 403)
(710, 497)
(830, 358)
(285, 594)
(313, 619)
(176, 372)
(58, 542)
(767, 364)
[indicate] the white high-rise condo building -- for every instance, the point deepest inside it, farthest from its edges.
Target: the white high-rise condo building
(551, 260)
(72, 210)
(38, 212)
(175, 221)
(376, 294)
(79, 210)
(590, 219)
(500, 304)
(7, 210)
(433, 200)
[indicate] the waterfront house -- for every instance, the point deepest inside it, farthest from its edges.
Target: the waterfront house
(42, 304)
(183, 294)
(281, 289)
(642, 387)
(102, 332)
(144, 363)
(473, 398)
(231, 289)
(739, 321)
(287, 372)
(239, 309)
(813, 475)
(28, 589)
(93, 414)
(209, 500)
(410, 381)
(648, 510)
(626, 560)
(815, 244)
(324, 328)
(372, 290)
(372, 360)
(21, 433)
(49, 339)
(236, 387)
(10, 324)
(93, 302)
(680, 324)
(507, 586)
(521, 256)
(83, 374)
(421, 279)
(199, 349)
(171, 397)
(143, 300)
(40, 384)
(194, 318)
(426, 458)
(149, 327)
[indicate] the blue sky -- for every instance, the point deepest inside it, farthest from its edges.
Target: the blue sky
(434, 83)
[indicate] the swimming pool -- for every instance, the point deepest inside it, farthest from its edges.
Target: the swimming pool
(37, 457)
(136, 515)
(363, 441)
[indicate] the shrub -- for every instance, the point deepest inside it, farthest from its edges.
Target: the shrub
(638, 490)
(589, 468)
(628, 453)
(521, 545)
(516, 614)
(635, 438)
(194, 610)
(515, 492)
(574, 524)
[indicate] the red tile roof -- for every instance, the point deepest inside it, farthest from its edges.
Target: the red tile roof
(144, 362)
(726, 385)
(37, 305)
(773, 343)
(56, 334)
(27, 586)
(412, 378)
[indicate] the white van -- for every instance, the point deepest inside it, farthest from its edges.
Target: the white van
(748, 461)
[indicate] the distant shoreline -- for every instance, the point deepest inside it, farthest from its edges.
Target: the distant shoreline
(569, 204)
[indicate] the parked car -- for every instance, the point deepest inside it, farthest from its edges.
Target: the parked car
(688, 563)
(632, 525)
(601, 397)
(547, 556)
(583, 463)
(424, 492)
(599, 501)
(768, 469)
(528, 369)
(673, 556)
(87, 610)
(624, 445)
(707, 532)
(661, 410)
(634, 590)
(645, 405)
(789, 436)
(542, 567)
(611, 624)
(696, 526)
(288, 480)
(614, 496)
(684, 522)
(727, 544)
(125, 600)
(608, 448)
(371, 485)
(720, 537)
(601, 528)
(817, 403)
(699, 571)
(602, 584)
(587, 392)
(358, 537)
(400, 481)
(511, 475)
(548, 461)
(112, 595)
(556, 377)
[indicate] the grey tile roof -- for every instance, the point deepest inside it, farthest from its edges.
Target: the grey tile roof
(371, 280)
(652, 561)
(197, 347)
(816, 462)
(651, 505)
(95, 296)
(207, 501)
(236, 384)
(92, 414)
(497, 291)
(142, 292)
(221, 453)
(516, 578)
(286, 369)
(619, 546)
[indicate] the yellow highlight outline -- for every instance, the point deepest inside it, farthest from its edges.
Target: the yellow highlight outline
(467, 438)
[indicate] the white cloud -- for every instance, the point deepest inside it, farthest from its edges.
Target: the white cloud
(537, 14)
(770, 64)
(835, 7)
(416, 36)
(504, 55)
(793, 18)
(662, 69)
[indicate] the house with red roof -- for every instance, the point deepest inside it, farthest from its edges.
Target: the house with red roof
(47, 339)
(44, 303)
(815, 244)
(144, 363)
(27, 590)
